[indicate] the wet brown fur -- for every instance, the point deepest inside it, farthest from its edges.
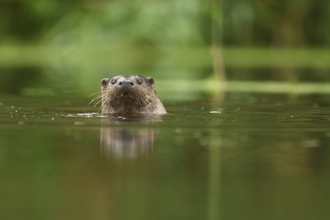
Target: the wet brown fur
(136, 95)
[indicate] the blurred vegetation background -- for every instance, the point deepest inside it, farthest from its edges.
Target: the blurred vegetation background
(72, 44)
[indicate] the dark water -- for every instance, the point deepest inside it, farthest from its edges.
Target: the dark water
(245, 156)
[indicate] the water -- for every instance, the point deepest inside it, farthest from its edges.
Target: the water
(237, 156)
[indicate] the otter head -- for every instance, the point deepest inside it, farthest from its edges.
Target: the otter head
(130, 95)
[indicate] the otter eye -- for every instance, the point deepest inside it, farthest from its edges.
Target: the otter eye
(113, 81)
(138, 81)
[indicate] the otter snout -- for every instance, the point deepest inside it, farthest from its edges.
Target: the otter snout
(125, 83)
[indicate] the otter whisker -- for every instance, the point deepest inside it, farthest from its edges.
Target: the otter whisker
(98, 102)
(96, 98)
(95, 93)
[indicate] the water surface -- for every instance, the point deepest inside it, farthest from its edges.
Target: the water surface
(236, 156)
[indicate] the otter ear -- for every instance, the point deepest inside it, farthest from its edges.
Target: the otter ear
(105, 81)
(151, 80)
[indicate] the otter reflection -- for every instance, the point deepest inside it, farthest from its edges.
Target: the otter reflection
(127, 137)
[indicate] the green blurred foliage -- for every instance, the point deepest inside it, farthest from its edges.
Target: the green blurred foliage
(82, 41)
(27, 21)
(179, 23)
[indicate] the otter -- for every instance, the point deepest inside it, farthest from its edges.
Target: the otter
(132, 94)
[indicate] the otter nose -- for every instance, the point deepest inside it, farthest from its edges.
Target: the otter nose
(126, 83)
